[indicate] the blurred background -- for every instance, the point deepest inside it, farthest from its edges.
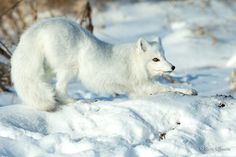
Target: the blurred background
(199, 32)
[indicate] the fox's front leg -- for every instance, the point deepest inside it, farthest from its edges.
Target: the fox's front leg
(164, 88)
(151, 88)
(178, 90)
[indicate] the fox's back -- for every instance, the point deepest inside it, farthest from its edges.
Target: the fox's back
(56, 33)
(59, 40)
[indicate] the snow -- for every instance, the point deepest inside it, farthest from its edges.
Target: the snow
(198, 40)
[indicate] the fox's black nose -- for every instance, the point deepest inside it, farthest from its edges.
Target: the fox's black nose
(173, 67)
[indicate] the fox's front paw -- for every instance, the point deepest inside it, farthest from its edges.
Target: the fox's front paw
(194, 92)
(190, 92)
(187, 91)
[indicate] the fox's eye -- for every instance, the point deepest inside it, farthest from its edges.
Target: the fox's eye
(155, 59)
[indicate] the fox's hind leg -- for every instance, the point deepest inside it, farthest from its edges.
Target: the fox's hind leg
(63, 77)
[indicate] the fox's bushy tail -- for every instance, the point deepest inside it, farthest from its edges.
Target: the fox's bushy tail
(28, 76)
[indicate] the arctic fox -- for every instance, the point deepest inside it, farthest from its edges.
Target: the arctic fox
(60, 47)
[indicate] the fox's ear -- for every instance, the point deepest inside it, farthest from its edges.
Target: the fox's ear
(158, 39)
(142, 44)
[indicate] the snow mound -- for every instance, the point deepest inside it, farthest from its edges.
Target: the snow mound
(165, 124)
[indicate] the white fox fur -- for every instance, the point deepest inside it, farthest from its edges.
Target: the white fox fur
(60, 47)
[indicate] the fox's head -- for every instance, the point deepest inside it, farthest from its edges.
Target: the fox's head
(153, 56)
